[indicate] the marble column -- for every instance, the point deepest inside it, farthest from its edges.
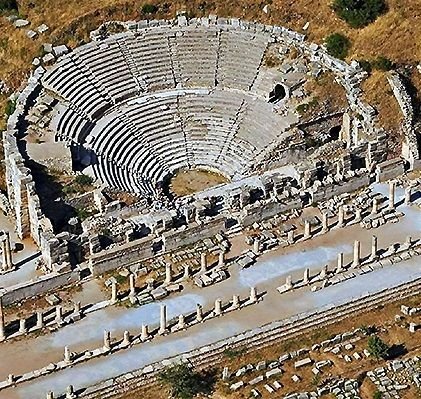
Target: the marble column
(253, 294)
(218, 307)
(373, 248)
(199, 313)
(7, 263)
(288, 282)
(408, 194)
(221, 259)
(163, 320)
(132, 292)
(375, 207)
(357, 215)
(22, 326)
(2, 332)
(59, 314)
(168, 273)
(323, 273)
(357, 253)
(340, 264)
(256, 245)
(70, 393)
(181, 322)
(306, 276)
(235, 301)
(186, 274)
(325, 223)
(290, 237)
(67, 355)
(307, 229)
(50, 395)
(126, 338)
(107, 340)
(144, 335)
(113, 292)
(40, 320)
(341, 216)
(392, 195)
(203, 262)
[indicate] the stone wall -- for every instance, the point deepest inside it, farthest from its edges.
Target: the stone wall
(410, 150)
(40, 286)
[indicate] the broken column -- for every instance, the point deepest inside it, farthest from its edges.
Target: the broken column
(163, 320)
(107, 341)
(203, 262)
(199, 312)
(392, 195)
(22, 326)
(325, 223)
(70, 393)
(340, 264)
(373, 248)
(408, 194)
(218, 307)
(50, 395)
(181, 322)
(341, 216)
(288, 283)
(375, 206)
(144, 335)
(168, 273)
(186, 274)
(323, 273)
(357, 253)
(307, 229)
(126, 338)
(67, 355)
(7, 263)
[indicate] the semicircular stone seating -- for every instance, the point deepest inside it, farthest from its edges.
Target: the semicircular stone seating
(150, 102)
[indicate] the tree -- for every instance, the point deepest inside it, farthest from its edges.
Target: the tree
(382, 63)
(378, 348)
(337, 45)
(377, 394)
(8, 5)
(149, 8)
(359, 13)
(185, 383)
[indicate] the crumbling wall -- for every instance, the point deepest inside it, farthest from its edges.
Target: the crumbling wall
(410, 150)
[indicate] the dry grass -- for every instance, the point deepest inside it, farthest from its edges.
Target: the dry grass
(381, 317)
(188, 182)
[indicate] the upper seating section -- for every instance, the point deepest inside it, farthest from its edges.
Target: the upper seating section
(103, 73)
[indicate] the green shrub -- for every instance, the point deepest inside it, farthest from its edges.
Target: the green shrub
(185, 383)
(8, 5)
(377, 395)
(84, 180)
(378, 348)
(10, 107)
(149, 8)
(337, 45)
(365, 65)
(359, 13)
(382, 63)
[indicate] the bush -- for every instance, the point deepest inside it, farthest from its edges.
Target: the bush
(8, 5)
(337, 45)
(378, 348)
(186, 383)
(359, 13)
(10, 107)
(382, 63)
(84, 180)
(149, 8)
(365, 65)
(377, 395)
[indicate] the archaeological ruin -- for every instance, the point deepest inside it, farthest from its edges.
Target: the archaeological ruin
(213, 212)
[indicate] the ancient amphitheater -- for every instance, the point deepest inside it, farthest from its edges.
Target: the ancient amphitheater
(299, 205)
